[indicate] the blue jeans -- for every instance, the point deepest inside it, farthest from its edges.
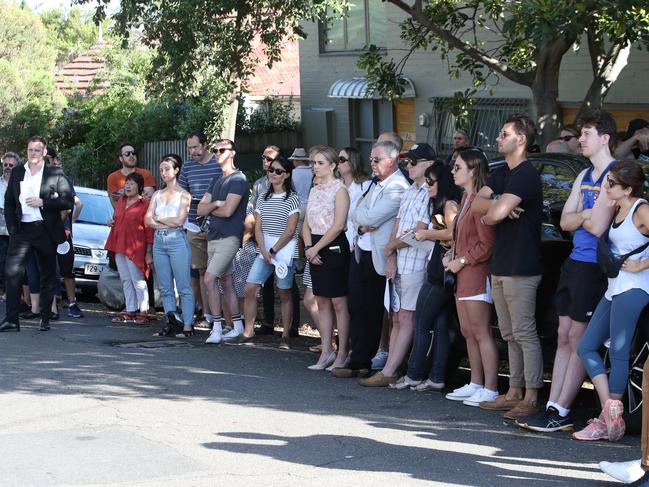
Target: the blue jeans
(617, 320)
(432, 316)
(172, 259)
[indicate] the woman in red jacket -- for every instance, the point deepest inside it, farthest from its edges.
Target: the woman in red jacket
(132, 242)
(473, 243)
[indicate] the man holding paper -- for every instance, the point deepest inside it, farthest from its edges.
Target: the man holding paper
(36, 194)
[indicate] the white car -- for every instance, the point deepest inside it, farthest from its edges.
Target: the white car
(89, 234)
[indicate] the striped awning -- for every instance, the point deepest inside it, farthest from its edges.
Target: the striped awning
(357, 88)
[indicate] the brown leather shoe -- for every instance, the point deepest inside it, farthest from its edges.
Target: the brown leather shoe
(501, 403)
(378, 380)
(522, 410)
(347, 373)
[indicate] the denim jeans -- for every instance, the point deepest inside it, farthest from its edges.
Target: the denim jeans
(431, 323)
(617, 320)
(172, 259)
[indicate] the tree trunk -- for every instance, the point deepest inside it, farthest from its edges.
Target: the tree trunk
(230, 117)
(545, 90)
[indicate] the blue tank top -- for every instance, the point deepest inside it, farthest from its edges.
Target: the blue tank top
(585, 243)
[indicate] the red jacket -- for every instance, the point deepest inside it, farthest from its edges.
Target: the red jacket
(473, 241)
(129, 235)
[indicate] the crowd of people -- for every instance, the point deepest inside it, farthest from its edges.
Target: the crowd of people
(386, 259)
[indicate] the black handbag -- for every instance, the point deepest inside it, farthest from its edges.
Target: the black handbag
(608, 261)
(450, 282)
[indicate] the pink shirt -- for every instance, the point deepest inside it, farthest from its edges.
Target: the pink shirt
(320, 208)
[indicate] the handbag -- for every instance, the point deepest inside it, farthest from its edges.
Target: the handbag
(450, 282)
(608, 261)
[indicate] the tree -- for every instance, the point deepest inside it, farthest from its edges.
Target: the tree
(207, 47)
(524, 41)
(70, 32)
(28, 99)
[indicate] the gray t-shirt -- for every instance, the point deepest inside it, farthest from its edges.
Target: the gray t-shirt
(302, 177)
(221, 227)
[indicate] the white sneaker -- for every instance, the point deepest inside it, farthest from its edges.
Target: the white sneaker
(379, 360)
(215, 336)
(481, 395)
(464, 392)
(626, 472)
(232, 334)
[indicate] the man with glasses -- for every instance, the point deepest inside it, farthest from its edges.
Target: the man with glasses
(225, 204)
(197, 176)
(406, 265)
(115, 181)
(587, 213)
(9, 161)
(512, 201)
(375, 214)
(259, 189)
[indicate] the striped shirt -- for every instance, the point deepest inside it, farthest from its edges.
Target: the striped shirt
(412, 210)
(275, 212)
(198, 178)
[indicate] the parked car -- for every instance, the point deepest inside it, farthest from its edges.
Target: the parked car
(89, 234)
(558, 172)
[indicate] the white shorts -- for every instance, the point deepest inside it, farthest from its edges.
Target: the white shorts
(486, 296)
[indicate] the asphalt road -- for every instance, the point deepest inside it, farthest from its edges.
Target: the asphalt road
(93, 403)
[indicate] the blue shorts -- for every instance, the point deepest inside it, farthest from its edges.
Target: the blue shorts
(261, 271)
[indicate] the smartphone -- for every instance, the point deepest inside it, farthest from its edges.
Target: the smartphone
(335, 249)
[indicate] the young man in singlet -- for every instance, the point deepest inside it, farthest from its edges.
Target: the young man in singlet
(587, 213)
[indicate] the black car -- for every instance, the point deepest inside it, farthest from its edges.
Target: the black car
(558, 172)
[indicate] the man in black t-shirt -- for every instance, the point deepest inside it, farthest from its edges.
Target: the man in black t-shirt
(512, 201)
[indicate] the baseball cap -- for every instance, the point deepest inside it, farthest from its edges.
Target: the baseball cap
(421, 151)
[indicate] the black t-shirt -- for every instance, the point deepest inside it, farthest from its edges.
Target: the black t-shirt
(517, 246)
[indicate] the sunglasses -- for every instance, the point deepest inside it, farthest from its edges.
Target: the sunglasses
(612, 183)
(129, 153)
(343, 159)
(266, 158)
(375, 159)
(221, 150)
(275, 170)
(431, 182)
(413, 162)
(567, 138)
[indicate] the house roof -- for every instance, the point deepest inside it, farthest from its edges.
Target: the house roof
(284, 77)
(77, 75)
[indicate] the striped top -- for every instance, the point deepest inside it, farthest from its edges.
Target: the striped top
(412, 210)
(275, 212)
(198, 179)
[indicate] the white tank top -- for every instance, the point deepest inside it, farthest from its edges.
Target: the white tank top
(623, 239)
(171, 208)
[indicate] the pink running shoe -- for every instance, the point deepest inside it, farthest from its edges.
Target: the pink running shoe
(595, 430)
(612, 416)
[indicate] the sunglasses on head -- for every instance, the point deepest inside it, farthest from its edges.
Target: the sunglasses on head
(612, 183)
(275, 170)
(567, 138)
(221, 150)
(129, 153)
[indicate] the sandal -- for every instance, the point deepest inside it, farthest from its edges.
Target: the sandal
(185, 334)
(141, 319)
(404, 382)
(165, 332)
(123, 318)
(428, 386)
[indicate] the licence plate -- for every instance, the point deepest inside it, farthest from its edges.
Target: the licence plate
(93, 269)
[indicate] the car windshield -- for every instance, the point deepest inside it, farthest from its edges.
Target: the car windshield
(96, 209)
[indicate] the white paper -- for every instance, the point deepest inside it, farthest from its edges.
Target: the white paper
(281, 269)
(285, 254)
(391, 300)
(409, 238)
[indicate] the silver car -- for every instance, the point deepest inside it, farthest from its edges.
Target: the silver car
(89, 234)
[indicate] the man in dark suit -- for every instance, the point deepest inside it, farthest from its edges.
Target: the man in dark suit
(36, 195)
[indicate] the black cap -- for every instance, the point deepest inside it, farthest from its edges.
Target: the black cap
(52, 153)
(421, 151)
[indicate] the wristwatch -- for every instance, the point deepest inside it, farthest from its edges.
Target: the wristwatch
(272, 251)
(462, 260)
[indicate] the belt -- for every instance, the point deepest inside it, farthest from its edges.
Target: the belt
(167, 231)
(34, 223)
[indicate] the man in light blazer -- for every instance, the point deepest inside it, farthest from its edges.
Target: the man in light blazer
(374, 218)
(36, 195)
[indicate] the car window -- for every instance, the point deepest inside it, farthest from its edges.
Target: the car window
(96, 209)
(557, 181)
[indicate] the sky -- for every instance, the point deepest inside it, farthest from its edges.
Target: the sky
(41, 5)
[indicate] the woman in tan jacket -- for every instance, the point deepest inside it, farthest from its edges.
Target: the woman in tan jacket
(473, 243)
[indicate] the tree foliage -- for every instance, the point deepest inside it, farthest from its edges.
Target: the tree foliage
(524, 41)
(70, 32)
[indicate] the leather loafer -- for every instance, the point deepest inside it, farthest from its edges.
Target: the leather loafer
(348, 373)
(44, 326)
(29, 315)
(8, 326)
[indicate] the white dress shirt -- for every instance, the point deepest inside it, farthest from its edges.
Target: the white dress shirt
(30, 186)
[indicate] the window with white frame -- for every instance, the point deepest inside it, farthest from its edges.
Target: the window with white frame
(364, 24)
